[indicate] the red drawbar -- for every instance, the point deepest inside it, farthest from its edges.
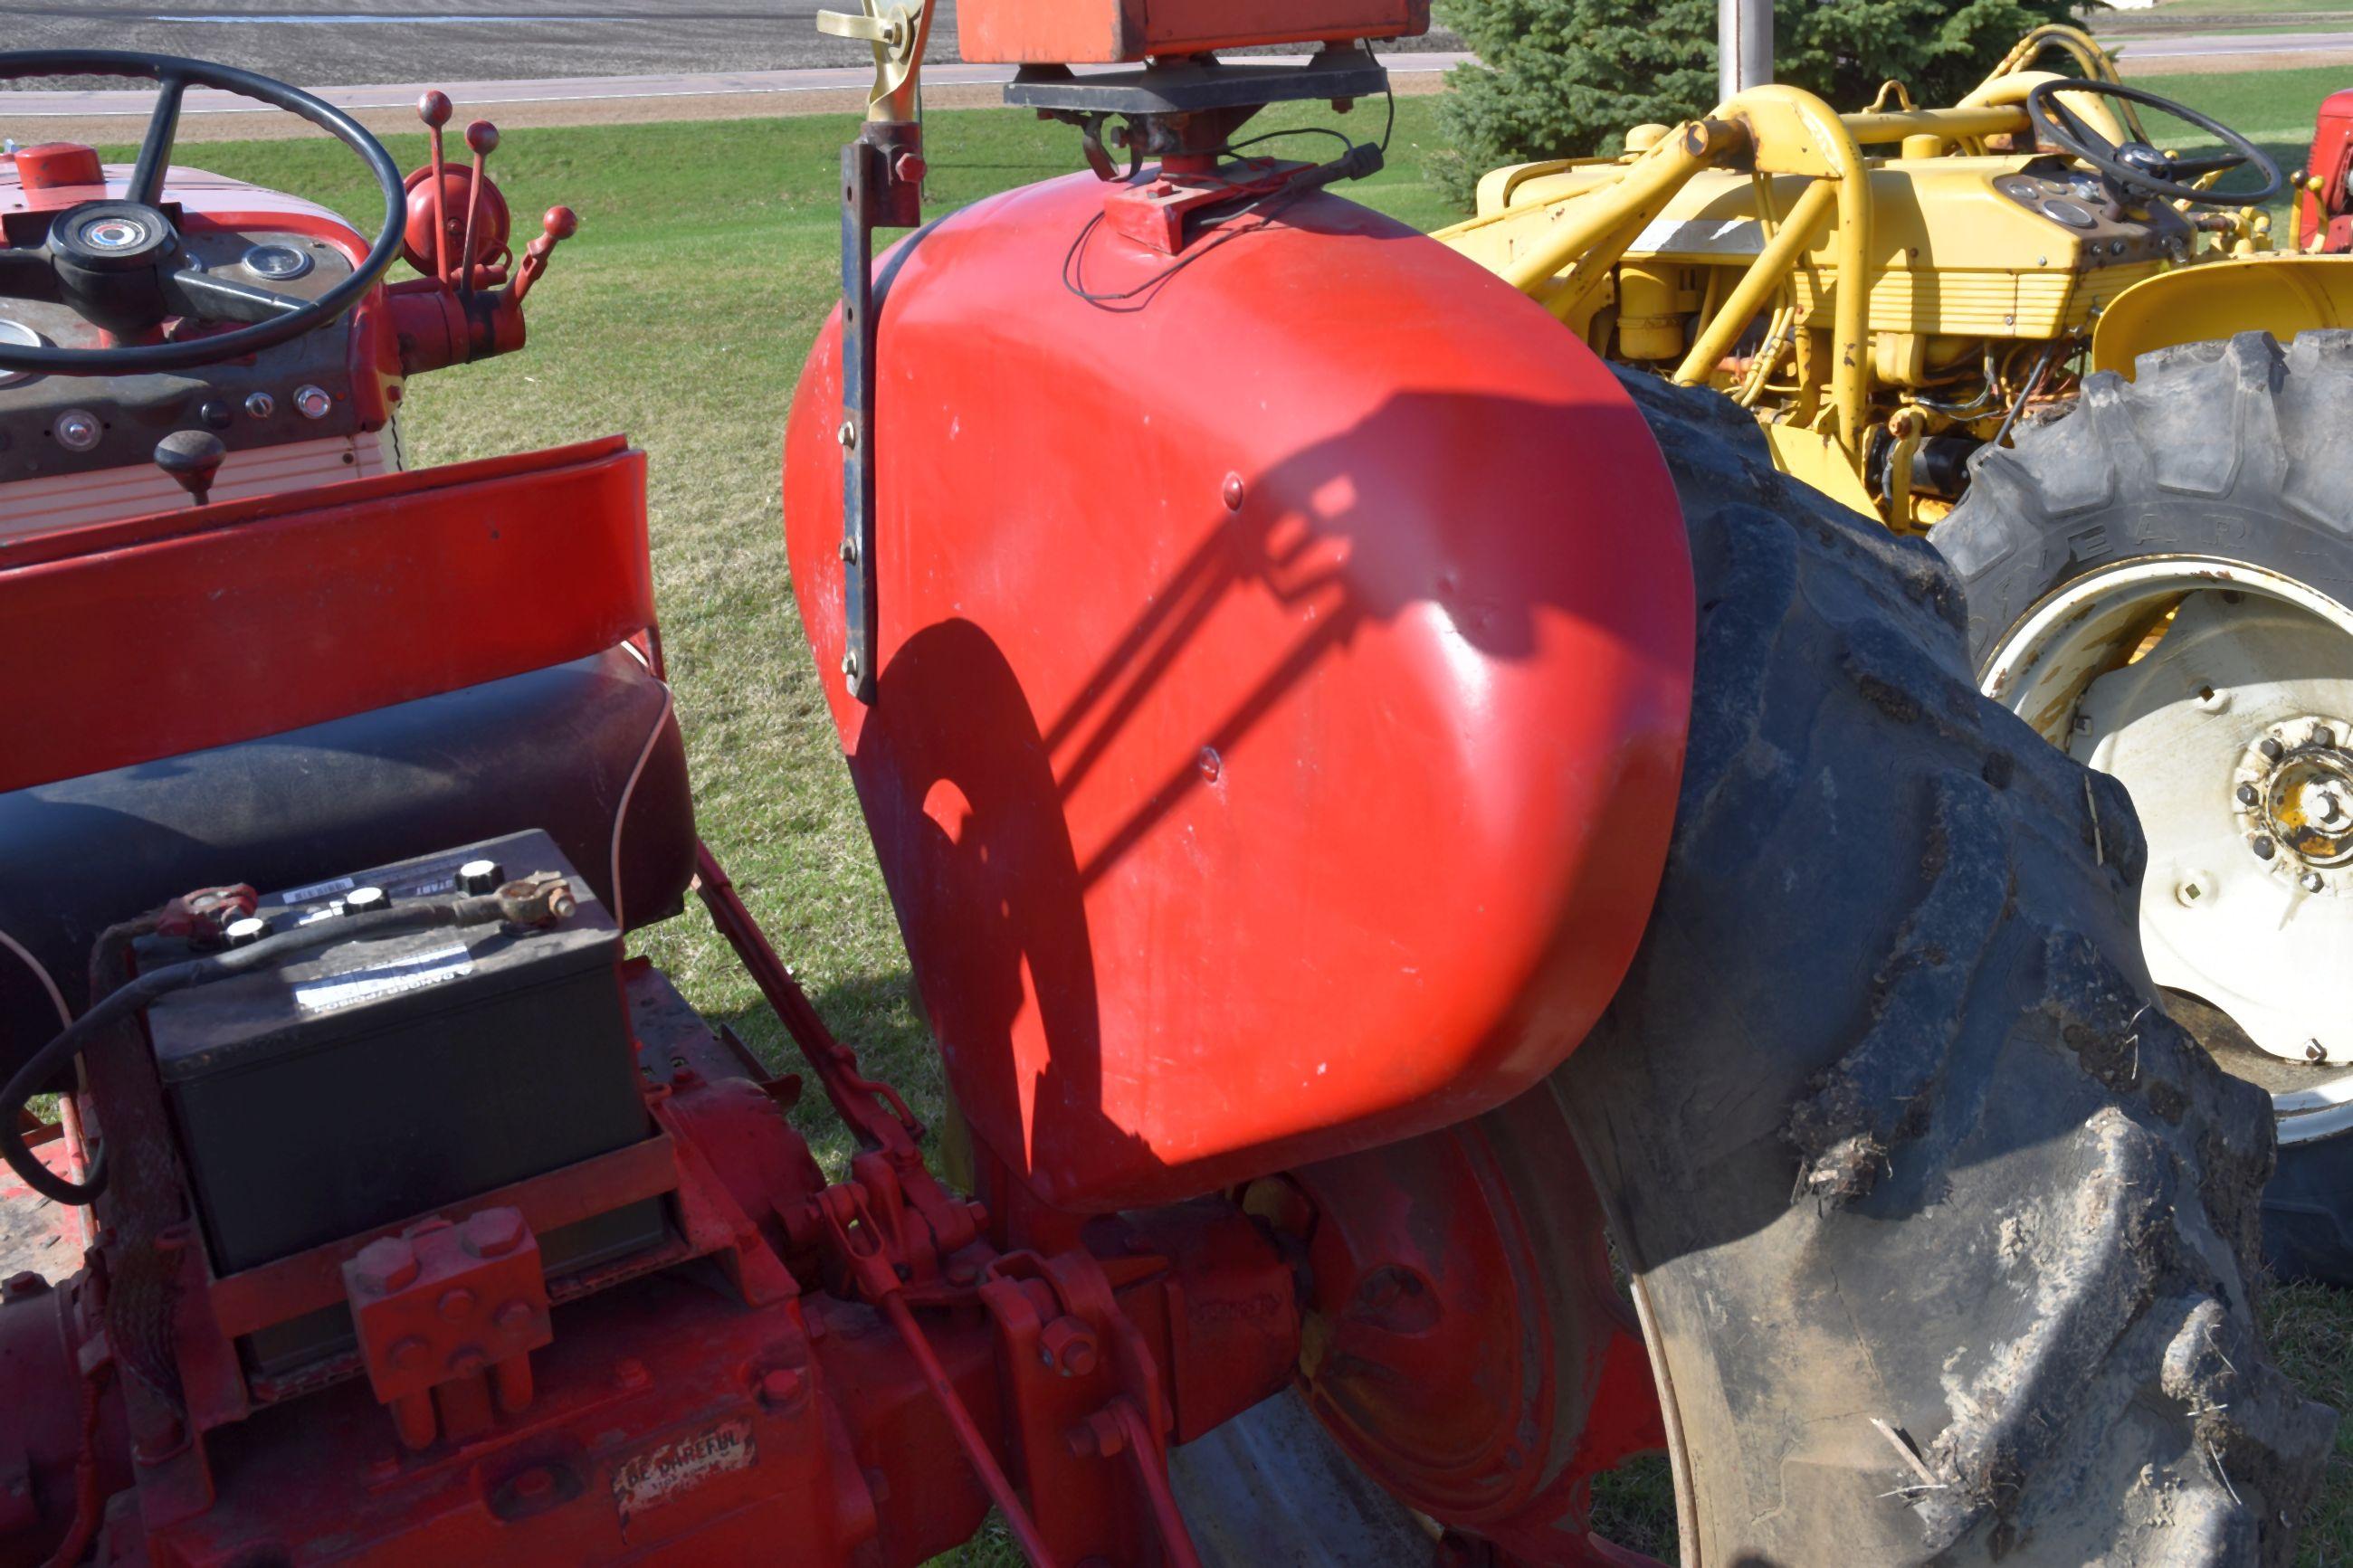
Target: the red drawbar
(167, 634)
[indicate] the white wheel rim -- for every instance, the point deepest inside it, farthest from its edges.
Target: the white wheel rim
(2221, 694)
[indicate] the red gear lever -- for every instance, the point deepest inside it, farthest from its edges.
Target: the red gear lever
(483, 138)
(560, 224)
(434, 109)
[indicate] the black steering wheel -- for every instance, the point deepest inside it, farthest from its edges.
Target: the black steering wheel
(119, 264)
(2140, 166)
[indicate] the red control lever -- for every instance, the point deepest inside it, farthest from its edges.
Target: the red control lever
(434, 109)
(483, 138)
(560, 224)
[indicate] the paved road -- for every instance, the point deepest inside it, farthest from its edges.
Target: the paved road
(827, 80)
(2149, 46)
(457, 41)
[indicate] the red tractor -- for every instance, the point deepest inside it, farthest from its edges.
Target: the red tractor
(1475, 931)
(2324, 187)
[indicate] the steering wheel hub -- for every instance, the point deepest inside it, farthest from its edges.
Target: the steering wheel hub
(119, 263)
(114, 234)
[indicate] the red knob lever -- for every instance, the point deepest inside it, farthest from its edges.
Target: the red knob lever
(560, 224)
(483, 138)
(434, 109)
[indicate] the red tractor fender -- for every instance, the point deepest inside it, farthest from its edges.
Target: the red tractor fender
(1286, 659)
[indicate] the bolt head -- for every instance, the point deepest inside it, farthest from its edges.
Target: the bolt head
(455, 1304)
(2322, 736)
(2310, 882)
(365, 902)
(77, 430)
(2262, 846)
(781, 1388)
(2314, 1051)
(848, 433)
(2270, 748)
(2246, 795)
(1068, 1346)
(493, 1233)
(385, 1265)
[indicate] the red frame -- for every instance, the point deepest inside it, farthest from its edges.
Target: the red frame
(168, 634)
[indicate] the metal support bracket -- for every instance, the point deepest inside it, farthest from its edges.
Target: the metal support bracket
(881, 188)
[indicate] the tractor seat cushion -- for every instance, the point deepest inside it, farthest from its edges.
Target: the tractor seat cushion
(588, 750)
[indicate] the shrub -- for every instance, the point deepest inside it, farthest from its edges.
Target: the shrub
(1565, 77)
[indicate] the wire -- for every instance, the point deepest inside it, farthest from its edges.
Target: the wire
(621, 812)
(1361, 159)
(41, 974)
(1234, 149)
(2026, 394)
(127, 999)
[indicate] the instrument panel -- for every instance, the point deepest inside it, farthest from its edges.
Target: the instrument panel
(298, 391)
(2093, 213)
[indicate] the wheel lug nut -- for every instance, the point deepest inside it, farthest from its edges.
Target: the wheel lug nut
(2322, 735)
(2262, 845)
(2246, 793)
(2270, 748)
(2310, 881)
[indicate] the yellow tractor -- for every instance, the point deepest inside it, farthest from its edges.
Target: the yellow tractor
(2074, 363)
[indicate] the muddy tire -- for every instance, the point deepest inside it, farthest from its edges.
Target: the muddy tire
(2217, 459)
(1942, 1229)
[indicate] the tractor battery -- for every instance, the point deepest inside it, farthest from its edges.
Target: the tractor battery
(361, 1082)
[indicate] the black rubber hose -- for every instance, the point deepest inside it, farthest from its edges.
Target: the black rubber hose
(134, 996)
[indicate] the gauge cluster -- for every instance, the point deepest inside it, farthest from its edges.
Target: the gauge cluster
(2106, 229)
(298, 391)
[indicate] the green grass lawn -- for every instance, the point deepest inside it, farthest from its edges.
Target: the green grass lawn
(681, 315)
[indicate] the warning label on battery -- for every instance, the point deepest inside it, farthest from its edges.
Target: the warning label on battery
(649, 1479)
(412, 973)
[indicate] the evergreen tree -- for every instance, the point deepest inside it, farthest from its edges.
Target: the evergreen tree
(1566, 77)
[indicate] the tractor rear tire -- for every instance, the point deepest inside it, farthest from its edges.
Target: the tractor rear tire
(1943, 1231)
(2218, 480)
